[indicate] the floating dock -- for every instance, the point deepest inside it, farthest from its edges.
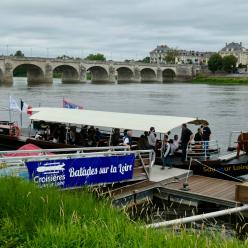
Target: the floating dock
(169, 185)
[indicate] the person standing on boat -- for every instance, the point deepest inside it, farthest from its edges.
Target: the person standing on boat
(186, 138)
(166, 151)
(152, 140)
(198, 140)
(206, 136)
(127, 140)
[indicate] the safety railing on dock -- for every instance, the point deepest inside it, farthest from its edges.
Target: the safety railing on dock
(144, 159)
(203, 150)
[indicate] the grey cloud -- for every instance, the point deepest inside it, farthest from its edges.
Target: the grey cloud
(121, 29)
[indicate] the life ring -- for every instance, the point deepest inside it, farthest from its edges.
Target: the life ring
(15, 131)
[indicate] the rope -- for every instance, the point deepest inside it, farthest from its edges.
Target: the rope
(217, 170)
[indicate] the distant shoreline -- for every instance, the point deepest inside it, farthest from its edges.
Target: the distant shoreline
(220, 80)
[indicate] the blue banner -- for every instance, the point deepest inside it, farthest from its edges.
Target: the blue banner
(77, 172)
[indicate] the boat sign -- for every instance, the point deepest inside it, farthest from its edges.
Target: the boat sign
(78, 172)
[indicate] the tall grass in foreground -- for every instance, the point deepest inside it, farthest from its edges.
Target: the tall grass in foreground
(33, 217)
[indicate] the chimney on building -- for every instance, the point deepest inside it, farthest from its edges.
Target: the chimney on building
(226, 43)
(241, 44)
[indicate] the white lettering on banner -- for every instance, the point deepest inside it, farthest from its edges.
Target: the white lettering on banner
(52, 180)
(124, 168)
(83, 172)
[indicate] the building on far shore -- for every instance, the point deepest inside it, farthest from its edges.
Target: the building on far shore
(159, 54)
(236, 49)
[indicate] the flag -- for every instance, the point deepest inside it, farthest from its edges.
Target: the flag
(70, 105)
(13, 104)
(25, 108)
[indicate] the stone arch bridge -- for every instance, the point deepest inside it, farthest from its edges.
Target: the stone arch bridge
(41, 70)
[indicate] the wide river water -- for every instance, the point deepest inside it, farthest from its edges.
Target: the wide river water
(225, 107)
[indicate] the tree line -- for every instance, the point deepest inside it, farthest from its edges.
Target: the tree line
(227, 63)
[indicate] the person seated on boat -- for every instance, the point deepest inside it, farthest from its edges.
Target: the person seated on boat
(142, 143)
(115, 138)
(91, 136)
(186, 138)
(166, 153)
(127, 139)
(174, 144)
(56, 138)
(72, 135)
(84, 132)
(98, 136)
(38, 136)
(152, 140)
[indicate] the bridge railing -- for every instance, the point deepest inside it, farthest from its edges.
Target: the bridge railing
(109, 62)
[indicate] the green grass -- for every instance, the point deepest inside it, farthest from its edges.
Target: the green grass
(221, 80)
(33, 217)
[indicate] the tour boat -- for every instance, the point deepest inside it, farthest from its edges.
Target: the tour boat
(205, 162)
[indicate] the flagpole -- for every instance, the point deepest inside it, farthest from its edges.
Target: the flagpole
(9, 110)
(21, 104)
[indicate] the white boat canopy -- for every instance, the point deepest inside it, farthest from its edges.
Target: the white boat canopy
(139, 122)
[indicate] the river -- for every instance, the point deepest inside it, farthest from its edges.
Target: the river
(225, 107)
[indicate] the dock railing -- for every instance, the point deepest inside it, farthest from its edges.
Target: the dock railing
(144, 159)
(203, 150)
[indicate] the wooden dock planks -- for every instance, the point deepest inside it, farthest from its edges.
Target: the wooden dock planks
(217, 190)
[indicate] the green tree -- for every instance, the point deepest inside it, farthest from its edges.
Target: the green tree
(145, 60)
(19, 53)
(98, 57)
(229, 63)
(215, 62)
(171, 55)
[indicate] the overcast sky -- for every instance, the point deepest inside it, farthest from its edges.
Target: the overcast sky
(120, 29)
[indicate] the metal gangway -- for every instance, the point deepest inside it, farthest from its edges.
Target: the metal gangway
(144, 159)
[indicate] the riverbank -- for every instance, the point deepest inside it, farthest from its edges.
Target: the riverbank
(33, 217)
(218, 80)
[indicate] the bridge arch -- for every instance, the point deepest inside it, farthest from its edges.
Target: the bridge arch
(33, 72)
(124, 74)
(98, 74)
(67, 73)
(168, 75)
(148, 75)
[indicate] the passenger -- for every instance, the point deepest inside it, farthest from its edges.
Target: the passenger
(198, 136)
(142, 143)
(72, 135)
(127, 140)
(198, 140)
(98, 136)
(166, 151)
(174, 144)
(84, 132)
(152, 140)
(146, 134)
(115, 138)
(206, 136)
(38, 136)
(186, 138)
(91, 136)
